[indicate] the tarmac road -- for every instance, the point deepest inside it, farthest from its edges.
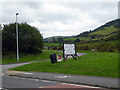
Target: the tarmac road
(17, 82)
(9, 82)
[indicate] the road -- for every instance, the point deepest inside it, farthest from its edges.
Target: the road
(17, 82)
(20, 82)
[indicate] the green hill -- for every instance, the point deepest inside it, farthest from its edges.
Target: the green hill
(108, 31)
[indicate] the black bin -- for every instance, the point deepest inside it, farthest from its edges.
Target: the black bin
(53, 58)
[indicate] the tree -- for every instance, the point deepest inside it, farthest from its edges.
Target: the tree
(30, 39)
(60, 40)
(54, 40)
(77, 40)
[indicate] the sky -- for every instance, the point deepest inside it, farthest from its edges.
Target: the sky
(60, 18)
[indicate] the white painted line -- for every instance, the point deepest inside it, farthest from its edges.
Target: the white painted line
(27, 73)
(40, 87)
(46, 81)
(2, 74)
(62, 76)
(36, 80)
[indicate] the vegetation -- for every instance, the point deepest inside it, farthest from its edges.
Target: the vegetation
(106, 31)
(30, 39)
(11, 57)
(93, 64)
(103, 32)
(77, 40)
(109, 46)
(51, 44)
(103, 38)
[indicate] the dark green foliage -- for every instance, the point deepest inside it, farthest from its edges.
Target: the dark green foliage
(114, 23)
(54, 40)
(96, 36)
(84, 34)
(30, 39)
(77, 40)
(103, 46)
(60, 40)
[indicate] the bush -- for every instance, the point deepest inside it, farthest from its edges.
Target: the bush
(30, 39)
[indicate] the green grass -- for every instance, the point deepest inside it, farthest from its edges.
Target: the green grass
(11, 58)
(108, 30)
(51, 44)
(81, 38)
(93, 64)
(83, 51)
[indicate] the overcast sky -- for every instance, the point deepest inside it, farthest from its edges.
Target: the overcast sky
(61, 18)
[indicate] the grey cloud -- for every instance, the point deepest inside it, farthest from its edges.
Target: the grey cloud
(33, 4)
(34, 12)
(95, 9)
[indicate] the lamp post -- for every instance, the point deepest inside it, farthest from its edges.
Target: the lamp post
(17, 38)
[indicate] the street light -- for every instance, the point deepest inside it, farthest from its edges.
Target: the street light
(17, 38)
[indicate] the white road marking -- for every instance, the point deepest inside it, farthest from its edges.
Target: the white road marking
(27, 73)
(2, 74)
(62, 76)
(46, 81)
(36, 80)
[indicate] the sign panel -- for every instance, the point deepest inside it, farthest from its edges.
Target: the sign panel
(59, 58)
(69, 49)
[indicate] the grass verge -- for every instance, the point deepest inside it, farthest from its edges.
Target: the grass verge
(11, 58)
(93, 64)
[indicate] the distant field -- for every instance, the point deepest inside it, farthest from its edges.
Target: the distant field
(11, 58)
(108, 30)
(51, 44)
(93, 64)
(73, 39)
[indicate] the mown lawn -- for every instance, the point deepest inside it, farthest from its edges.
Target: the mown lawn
(11, 57)
(93, 64)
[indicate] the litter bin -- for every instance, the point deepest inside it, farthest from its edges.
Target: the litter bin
(53, 58)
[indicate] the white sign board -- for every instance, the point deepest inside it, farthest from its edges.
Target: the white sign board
(69, 49)
(59, 58)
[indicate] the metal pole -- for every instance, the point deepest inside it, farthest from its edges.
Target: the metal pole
(17, 38)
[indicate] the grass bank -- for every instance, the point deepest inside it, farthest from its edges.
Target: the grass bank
(11, 57)
(93, 64)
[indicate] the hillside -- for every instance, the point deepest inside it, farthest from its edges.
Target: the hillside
(108, 31)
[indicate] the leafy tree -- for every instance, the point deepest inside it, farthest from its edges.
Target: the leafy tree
(60, 40)
(54, 40)
(30, 39)
(77, 40)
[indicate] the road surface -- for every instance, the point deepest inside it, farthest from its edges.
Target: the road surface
(21, 82)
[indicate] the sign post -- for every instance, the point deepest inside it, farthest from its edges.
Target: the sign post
(69, 50)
